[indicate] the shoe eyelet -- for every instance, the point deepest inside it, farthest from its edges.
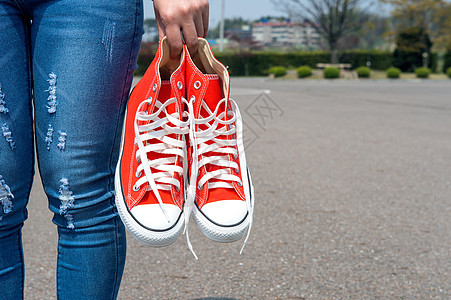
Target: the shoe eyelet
(179, 85)
(177, 189)
(237, 170)
(138, 174)
(200, 188)
(135, 188)
(193, 99)
(240, 183)
(197, 85)
(154, 87)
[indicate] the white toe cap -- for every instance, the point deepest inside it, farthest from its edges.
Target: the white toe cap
(152, 217)
(225, 212)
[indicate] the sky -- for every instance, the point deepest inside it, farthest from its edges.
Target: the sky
(247, 9)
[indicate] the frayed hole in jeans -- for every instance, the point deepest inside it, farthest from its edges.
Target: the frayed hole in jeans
(7, 134)
(62, 140)
(3, 108)
(49, 137)
(5, 196)
(67, 202)
(51, 100)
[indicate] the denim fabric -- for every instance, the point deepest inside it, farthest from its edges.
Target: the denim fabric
(75, 59)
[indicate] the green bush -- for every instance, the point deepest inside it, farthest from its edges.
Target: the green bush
(363, 72)
(278, 71)
(448, 72)
(422, 72)
(304, 71)
(331, 72)
(393, 73)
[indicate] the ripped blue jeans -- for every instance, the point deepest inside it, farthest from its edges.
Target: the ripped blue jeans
(74, 59)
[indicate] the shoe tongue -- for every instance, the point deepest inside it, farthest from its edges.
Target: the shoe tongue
(214, 93)
(165, 94)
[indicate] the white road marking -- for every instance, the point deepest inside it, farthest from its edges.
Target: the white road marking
(247, 92)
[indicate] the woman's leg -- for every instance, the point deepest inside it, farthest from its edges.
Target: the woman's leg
(16, 145)
(84, 55)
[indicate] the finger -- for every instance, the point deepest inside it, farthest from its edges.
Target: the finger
(161, 31)
(175, 43)
(205, 19)
(190, 36)
(198, 22)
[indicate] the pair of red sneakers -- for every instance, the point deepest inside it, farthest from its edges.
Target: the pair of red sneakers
(182, 153)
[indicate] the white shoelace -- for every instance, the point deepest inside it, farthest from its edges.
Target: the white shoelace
(156, 128)
(209, 142)
(220, 151)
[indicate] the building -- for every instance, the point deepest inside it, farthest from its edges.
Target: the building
(236, 38)
(286, 34)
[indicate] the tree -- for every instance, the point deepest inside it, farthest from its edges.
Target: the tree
(372, 28)
(331, 18)
(447, 58)
(411, 44)
(366, 31)
(431, 16)
(442, 29)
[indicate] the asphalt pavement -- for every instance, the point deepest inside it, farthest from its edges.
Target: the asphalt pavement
(353, 201)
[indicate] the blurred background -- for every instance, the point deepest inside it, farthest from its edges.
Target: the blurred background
(254, 35)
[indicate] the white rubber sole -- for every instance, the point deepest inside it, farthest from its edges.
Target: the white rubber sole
(146, 236)
(218, 233)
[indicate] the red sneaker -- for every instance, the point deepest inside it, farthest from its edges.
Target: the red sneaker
(149, 179)
(221, 193)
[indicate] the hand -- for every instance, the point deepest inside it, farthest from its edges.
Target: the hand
(189, 17)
